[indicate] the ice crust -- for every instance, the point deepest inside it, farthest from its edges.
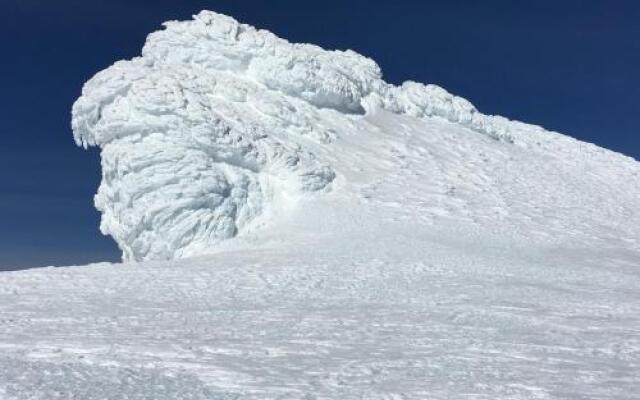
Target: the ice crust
(200, 133)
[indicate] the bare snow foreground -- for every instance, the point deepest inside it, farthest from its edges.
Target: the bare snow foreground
(352, 240)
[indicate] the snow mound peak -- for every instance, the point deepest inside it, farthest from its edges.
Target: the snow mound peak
(196, 134)
(217, 122)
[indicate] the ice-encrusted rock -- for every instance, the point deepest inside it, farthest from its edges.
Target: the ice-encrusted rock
(198, 132)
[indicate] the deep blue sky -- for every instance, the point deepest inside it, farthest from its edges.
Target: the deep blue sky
(571, 66)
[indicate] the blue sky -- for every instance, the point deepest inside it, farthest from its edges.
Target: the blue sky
(570, 66)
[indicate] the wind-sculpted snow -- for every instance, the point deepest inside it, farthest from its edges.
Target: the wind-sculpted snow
(217, 122)
(192, 146)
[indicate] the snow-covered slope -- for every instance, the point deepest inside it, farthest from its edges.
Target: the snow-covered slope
(354, 240)
(216, 118)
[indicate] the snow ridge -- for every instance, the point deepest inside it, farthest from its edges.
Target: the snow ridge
(215, 117)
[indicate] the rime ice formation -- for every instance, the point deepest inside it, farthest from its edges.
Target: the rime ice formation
(216, 120)
(197, 132)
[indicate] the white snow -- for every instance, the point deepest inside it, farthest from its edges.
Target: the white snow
(198, 132)
(354, 240)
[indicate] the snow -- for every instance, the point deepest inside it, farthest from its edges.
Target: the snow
(296, 228)
(215, 116)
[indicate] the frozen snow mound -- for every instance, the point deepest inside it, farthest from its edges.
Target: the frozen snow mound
(202, 134)
(194, 142)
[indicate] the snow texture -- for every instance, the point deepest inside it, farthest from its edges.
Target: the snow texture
(367, 241)
(198, 133)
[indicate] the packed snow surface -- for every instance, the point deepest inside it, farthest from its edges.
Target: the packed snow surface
(297, 228)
